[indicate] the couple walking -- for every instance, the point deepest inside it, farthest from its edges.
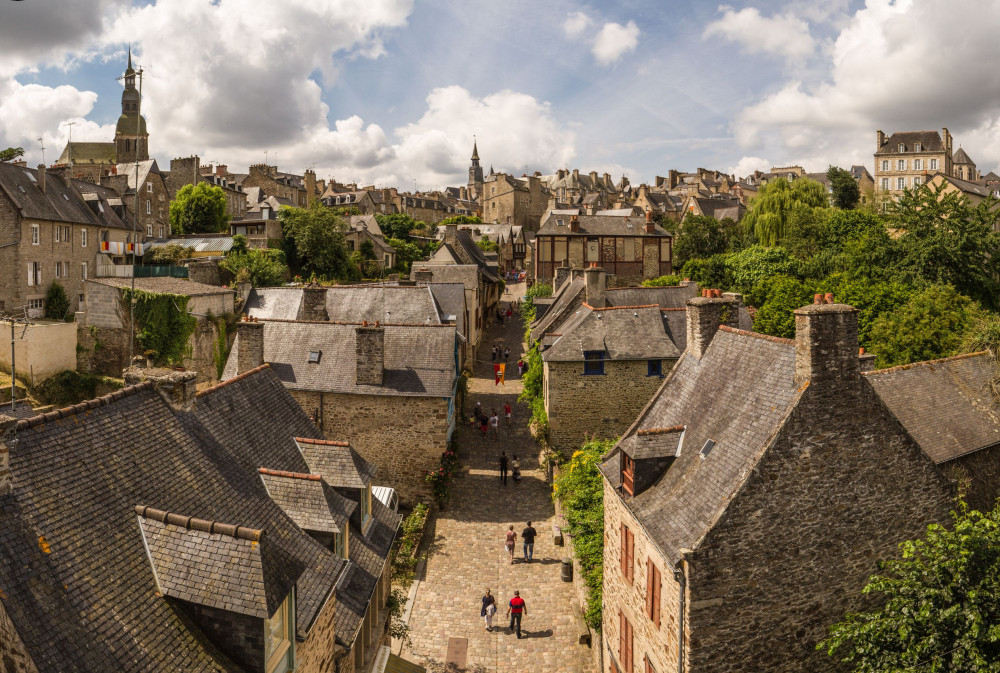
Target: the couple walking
(527, 537)
(515, 609)
(515, 468)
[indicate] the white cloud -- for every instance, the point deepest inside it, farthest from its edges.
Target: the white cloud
(613, 41)
(576, 23)
(782, 35)
(747, 165)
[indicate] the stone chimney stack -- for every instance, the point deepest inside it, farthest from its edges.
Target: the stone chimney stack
(574, 224)
(314, 303)
(866, 361)
(562, 273)
(40, 176)
(7, 424)
(704, 315)
(596, 280)
(879, 140)
(650, 225)
(179, 389)
(450, 233)
(946, 139)
(251, 351)
(370, 349)
(309, 182)
(423, 275)
(826, 342)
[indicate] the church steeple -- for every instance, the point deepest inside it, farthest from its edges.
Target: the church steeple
(475, 173)
(475, 152)
(131, 138)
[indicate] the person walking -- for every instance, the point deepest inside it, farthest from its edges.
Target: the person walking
(528, 538)
(503, 467)
(495, 426)
(495, 349)
(515, 470)
(488, 610)
(507, 411)
(509, 541)
(484, 425)
(506, 354)
(520, 368)
(515, 610)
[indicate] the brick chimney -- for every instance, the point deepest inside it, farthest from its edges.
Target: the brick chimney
(704, 315)
(879, 140)
(40, 176)
(179, 389)
(650, 225)
(314, 303)
(596, 280)
(826, 343)
(574, 224)
(370, 350)
(251, 351)
(7, 424)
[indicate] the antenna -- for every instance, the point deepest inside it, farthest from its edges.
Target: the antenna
(42, 145)
(69, 145)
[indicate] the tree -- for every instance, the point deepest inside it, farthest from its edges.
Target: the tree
(940, 604)
(486, 245)
(711, 272)
(662, 281)
(396, 225)
(461, 219)
(264, 268)
(198, 209)
(56, 302)
(781, 295)
(11, 153)
(779, 201)
(317, 234)
(932, 324)
(871, 297)
(699, 236)
(167, 254)
(367, 249)
(846, 192)
(406, 254)
(747, 268)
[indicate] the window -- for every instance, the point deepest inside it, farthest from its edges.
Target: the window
(885, 164)
(902, 147)
(83, 270)
(627, 551)
(917, 164)
(149, 207)
(916, 180)
(66, 237)
(628, 474)
(37, 304)
(58, 269)
(917, 147)
(366, 505)
(654, 368)
(314, 357)
(933, 164)
(707, 449)
(34, 273)
(278, 631)
(56, 232)
(83, 238)
(901, 165)
(34, 234)
(885, 183)
(149, 187)
(593, 363)
(386, 260)
(653, 592)
(900, 183)
(624, 642)
(339, 548)
(149, 230)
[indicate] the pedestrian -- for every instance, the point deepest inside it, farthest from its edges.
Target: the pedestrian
(510, 312)
(515, 470)
(506, 354)
(503, 467)
(506, 411)
(520, 367)
(495, 425)
(484, 425)
(509, 541)
(516, 608)
(528, 538)
(488, 610)
(479, 410)
(494, 352)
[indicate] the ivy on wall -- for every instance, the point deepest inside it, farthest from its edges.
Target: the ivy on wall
(162, 324)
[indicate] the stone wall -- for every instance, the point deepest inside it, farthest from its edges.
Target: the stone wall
(205, 272)
(659, 643)
(979, 474)
(101, 350)
(605, 406)
(840, 488)
(316, 654)
(14, 657)
(403, 436)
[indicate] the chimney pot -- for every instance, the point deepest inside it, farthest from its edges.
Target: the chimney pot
(817, 299)
(828, 298)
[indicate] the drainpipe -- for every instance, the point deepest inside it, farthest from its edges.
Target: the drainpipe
(682, 582)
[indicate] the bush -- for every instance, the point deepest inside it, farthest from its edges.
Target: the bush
(70, 387)
(662, 281)
(440, 479)
(264, 268)
(710, 272)
(167, 254)
(56, 302)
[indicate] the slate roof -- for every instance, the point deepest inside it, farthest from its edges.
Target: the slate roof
(977, 188)
(368, 222)
(945, 405)
(450, 299)
(930, 141)
(653, 443)
(565, 300)
(466, 274)
(308, 500)
(88, 153)
(599, 225)
(220, 244)
(962, 157)
(268, 303)
(419, 359)
(721, 208)
(674, 296)
(627, 333)
(343, 466)
(145, 167)
(62, 201)
(737, 407)
(164, 285)
(384, 303)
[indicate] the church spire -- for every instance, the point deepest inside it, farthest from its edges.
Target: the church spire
(475, 149)
(129, 69)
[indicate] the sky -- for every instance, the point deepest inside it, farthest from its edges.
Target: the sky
(392, 92)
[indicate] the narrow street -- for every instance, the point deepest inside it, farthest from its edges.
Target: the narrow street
(466, 554)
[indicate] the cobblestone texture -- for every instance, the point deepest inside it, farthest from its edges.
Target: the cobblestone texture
(466, 554)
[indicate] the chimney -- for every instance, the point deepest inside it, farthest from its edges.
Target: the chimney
(576, 174)
(946, 139)
(866, 361)
(7, 424)
(826, 343)
(596, 283)
(370, 349)
(423, 275)
(650, 225)
(574, 224)
(41, 177)
(450, 233)
(704, 315)
(179, 389)
(251, 351)
(221, 169)
(562, 273)
(673, 178)
(309, 183)
(879, 140)
(737, 300)
(593, 178)
(314, 303)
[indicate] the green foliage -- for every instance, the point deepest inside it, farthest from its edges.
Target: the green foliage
(486, 245)
(317, 235)
(406, 254)
(441, 478)
(70, 387)
(528, 306)
(939, 604)
(712, 272)
(56, 302)
(198, 209)
(580, 490)
(264, 268)
(240, 245)
(397, 225)
(167, 254)
(745, 269)
(403, 563)
(932, 324)
(776, 298)
(11, 153)
(846, 192)
(367, 249)
(700, 236)
(662, 281)
(162, 324)
(461, 219)
(220, 353)
(779, 203)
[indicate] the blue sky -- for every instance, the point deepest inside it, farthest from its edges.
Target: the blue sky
(391, 91)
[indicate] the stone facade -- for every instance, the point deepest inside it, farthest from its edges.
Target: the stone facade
(189, 171)
(319, 651)
(402, 436)
(602, 405)
(905, 160)
(13, 657)
(274, 183)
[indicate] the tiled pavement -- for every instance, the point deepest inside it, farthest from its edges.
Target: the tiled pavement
(466, 554)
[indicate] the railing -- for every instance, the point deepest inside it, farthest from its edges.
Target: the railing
(127, 271)
(113, 271)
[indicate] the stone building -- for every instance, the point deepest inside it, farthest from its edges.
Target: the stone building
(294, 188)
(906, 158)
(151, 203)
(241, 541)
(475, 186)
(189, 171)
(759, 487)
(509, 200)
(630, 249)
(362, 228)
(388, 389)
(58, 228)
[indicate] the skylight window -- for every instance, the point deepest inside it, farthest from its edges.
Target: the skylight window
(30, 176)
(707, 449)
(314, 357)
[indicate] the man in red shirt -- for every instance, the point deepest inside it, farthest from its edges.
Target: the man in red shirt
(515, 610)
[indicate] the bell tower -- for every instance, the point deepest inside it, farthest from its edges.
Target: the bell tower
(131, 138)
(475, 174)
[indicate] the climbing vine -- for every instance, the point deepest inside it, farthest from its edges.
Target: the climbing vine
(220, 353)
(162, 324)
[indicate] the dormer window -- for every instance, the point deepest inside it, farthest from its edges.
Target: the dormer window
(917, 147)
(902, 147)
(628, 474)
(366, 506)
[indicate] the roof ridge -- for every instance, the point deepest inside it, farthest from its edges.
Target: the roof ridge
(239, 377)
(291, 475)
(757, 335)
(619, 308)
(324, 442)
(203, 525)
(640, 287)
(676, 308)
(659, 431)
(359, 323)
(74, 409)
(898, 368)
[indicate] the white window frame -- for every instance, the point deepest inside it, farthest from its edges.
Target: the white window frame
(34, 274)
(917, 147)
(35, 234)
(902, 147)
(83, 238)
(901, 164)
(916, 181)
(900, 183)
(56, 231)
(149, 187)
(149, 207)
(917, 165)
(885, 164)
(934, 164)
(83, 271)
(149, 230)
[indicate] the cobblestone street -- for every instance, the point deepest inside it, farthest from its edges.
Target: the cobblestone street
(466, 554)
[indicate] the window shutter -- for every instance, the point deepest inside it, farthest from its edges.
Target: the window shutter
(656, 596)
(628, 664)
(31, 274)
(649, 588)
(624, 547)
(622, 628)
(631, 559)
